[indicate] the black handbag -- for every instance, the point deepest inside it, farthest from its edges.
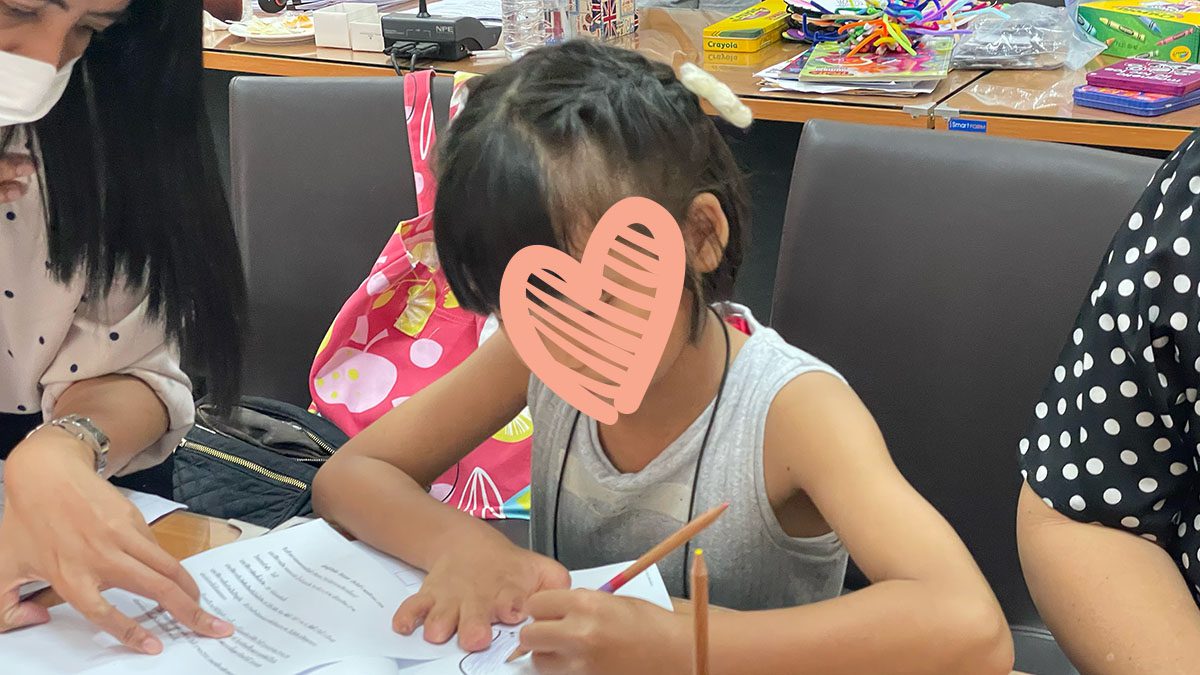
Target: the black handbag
(257, 464)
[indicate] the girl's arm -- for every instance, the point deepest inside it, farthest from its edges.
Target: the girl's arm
(1131, 613)
(928, 610)
(376, 486)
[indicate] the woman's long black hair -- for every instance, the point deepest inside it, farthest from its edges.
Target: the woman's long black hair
(132, 189)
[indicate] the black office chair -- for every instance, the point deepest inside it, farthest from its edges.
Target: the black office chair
(321, 174)
(941, 274)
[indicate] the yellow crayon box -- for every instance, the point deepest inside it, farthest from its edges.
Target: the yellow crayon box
(1168, 30)
(748, 30)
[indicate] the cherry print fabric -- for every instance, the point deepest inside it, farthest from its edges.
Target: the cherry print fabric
(402, 329)
(1114, 435)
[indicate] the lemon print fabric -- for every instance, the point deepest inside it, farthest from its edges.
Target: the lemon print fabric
(422, 299)
(519, 429)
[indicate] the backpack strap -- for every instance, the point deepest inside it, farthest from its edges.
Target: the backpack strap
(422, 133)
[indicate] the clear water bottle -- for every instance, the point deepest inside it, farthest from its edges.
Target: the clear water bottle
(529, 24)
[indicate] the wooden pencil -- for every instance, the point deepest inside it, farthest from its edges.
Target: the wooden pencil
(700, 609)
(654, 555)
(664, 548)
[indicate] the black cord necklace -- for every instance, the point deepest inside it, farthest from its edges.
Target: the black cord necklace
(687, 548)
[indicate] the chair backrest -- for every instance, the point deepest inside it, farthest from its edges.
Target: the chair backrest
(320, 176)
(941, 273)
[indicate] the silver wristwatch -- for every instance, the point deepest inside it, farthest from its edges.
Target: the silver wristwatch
(86, 431)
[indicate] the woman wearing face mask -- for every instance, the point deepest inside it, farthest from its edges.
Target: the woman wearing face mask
(115, 247)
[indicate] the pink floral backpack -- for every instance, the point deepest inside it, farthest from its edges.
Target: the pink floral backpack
(403, 328)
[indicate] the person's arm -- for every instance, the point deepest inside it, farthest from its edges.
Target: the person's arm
(1131, 613)
(387, 468)
(126, 408)
(929, 610)
(1107, 522)
(376, 488)
(67, 525)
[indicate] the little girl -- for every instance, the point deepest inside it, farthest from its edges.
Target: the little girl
(540, 151)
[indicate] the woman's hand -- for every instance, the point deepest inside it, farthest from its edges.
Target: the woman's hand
(14, 173)
(583, 632)
(473, 585)
(65, 525)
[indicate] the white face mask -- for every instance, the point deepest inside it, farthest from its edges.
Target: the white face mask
(29, 88)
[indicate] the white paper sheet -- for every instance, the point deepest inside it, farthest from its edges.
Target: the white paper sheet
(152, 507)
(305, 602)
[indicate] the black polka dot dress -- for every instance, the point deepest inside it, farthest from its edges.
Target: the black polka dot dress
(1116, 434)
(51, 336)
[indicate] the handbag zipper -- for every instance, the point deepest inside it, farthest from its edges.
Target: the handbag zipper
(319, 441)
(245, 464)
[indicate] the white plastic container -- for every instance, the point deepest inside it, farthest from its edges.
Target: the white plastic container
(332, 24)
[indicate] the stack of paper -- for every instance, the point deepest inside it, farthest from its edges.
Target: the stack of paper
(825, 69)
(305, 601)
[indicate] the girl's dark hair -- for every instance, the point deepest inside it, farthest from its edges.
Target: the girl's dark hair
(132, 190)
(543, 147)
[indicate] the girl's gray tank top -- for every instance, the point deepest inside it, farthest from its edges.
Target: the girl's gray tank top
(607, 516)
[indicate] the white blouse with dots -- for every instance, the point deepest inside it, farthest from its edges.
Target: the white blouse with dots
(1116, 433)
(51, 336)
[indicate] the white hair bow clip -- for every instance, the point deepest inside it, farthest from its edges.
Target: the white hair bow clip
(717, 93)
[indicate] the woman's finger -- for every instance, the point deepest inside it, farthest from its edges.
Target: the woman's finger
(133, 575)
(15, 614)
(11, 191)
(82, 594)
(16, 167)
(143, 548)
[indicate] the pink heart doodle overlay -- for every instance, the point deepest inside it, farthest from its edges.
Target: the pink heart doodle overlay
(616, 349)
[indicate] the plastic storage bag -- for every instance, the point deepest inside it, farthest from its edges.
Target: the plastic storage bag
(1031, 37)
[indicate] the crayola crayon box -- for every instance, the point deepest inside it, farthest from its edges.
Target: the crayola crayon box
(1167, 30)
(748, 30)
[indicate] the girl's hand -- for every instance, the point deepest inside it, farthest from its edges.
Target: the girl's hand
(65, 525)
(582, 632)
(474, 585)
(14, 172)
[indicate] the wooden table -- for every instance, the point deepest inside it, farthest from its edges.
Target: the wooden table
(1038, 105)
(669, 36)
(1023, 104)
(181, 534)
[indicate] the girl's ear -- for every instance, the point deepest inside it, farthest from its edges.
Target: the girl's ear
(706, 232)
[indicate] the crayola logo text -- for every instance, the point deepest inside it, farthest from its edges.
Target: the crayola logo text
(720, 44)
